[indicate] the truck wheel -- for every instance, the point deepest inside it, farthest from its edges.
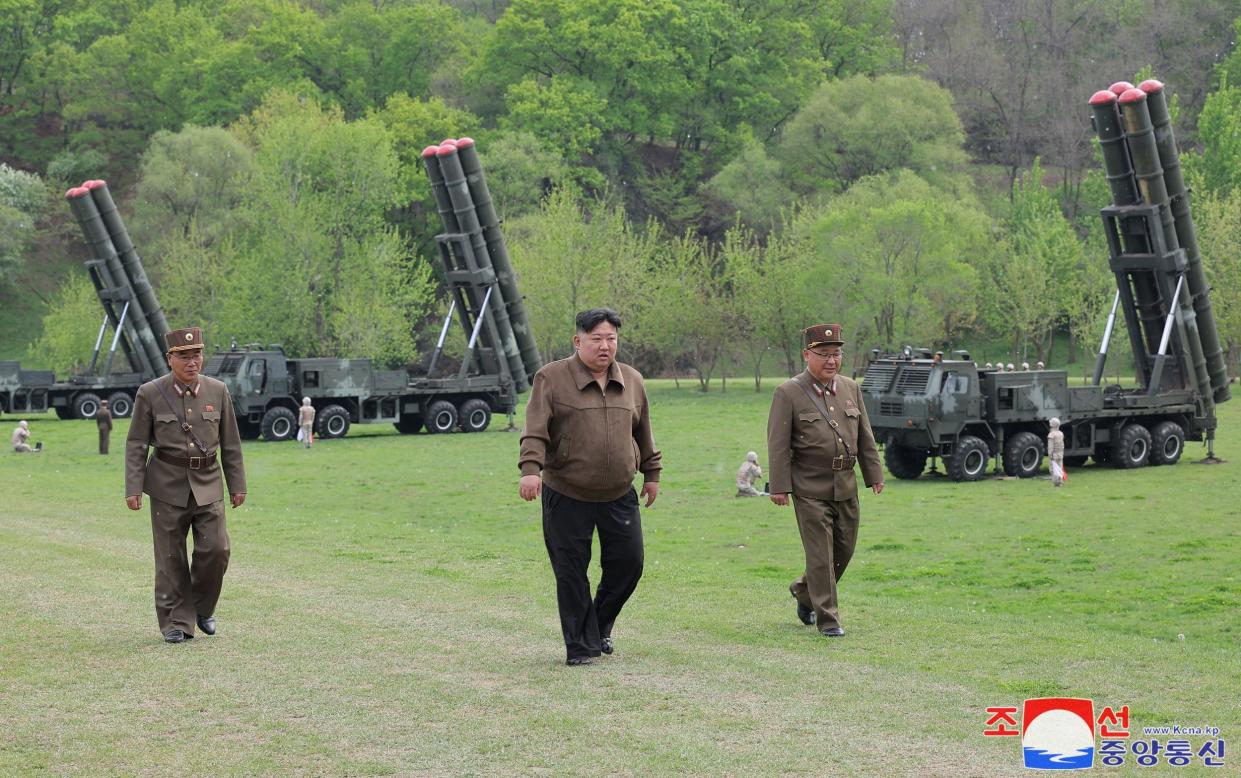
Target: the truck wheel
(85, 405)
(1132, 448)
(333, 422)
(441, 417)
(1023, 455)
(120, 404)
(969, 461)
(409, 424)
(475, 415)
(279, 424)
(1167, 443)
(64, 414)
(1075, 461)
(904, 462)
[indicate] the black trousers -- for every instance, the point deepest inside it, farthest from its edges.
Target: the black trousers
(568, 528)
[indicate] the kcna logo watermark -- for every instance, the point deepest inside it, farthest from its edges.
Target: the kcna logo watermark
(1059, 733)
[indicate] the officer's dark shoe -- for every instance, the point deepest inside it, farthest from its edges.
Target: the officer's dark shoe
(605, 645)
(206, 624)
(805, 614)
(174, 636)
(574, 661)
(833, 632)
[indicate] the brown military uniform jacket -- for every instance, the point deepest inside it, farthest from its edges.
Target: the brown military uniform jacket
(588, 442)
(210, 416)
(104, 420)
(805, 454)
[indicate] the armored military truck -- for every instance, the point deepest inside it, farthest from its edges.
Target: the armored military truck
(920, 407)
(267, 388)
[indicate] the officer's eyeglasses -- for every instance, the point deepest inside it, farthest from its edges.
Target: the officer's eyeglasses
(836, 355)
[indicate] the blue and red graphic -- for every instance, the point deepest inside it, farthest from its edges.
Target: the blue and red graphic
(1057, 733)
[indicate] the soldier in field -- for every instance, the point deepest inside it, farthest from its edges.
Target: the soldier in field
(188, 419)
(817, 433)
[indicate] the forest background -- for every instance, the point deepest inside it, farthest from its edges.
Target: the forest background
(721, 171)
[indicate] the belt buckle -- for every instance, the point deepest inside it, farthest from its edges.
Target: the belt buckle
(838, 462)
(196, 462)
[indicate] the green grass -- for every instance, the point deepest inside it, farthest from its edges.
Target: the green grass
(390, 611)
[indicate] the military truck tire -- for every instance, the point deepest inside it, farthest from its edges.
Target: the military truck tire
(408, 424)
(1023, 455)
(64, 414)
(1075, 461)
(904, 462)
(1132, 448)
(475, 415)
(1167, 443)
(121, 405)
(441, 417)
(85, 405)
(333, 422)
(969, 461)
(279, 424)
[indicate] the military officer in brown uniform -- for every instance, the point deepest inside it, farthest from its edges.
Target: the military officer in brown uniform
(103, 419)
(588, 432)
(817, 432)
(188, 419)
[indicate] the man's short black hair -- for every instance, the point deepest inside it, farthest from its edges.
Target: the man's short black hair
(588, 320)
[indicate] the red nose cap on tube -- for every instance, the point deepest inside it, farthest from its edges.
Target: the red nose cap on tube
(1102, 97)
(1132, 96)
(1120, 87)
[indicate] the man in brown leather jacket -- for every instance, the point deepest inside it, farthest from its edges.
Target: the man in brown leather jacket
(188, 419)
(817, 432)
(588, 432)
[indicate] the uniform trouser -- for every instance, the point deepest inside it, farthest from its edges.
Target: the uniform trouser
(184, 589)
(568, 527)
(828, 535)
(103, 441)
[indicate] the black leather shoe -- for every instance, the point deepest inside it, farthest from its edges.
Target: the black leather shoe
(833, 632)
(206, 624)
(805, 614)
(574, 661)
(174, 636)
(605, 645)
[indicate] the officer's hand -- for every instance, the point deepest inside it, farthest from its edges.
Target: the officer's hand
(877, 488)
(237, 499)
(650, 490)
(134, 501)
(780, 499)
(530, 487)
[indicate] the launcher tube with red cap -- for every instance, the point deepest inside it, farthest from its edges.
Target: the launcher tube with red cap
(123, 308)
(1178, 198)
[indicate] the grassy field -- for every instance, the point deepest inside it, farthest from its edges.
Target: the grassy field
(390, 611)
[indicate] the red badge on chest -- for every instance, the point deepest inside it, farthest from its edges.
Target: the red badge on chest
(209, 408)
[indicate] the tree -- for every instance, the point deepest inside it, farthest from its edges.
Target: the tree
(305, 257)
(69, 328)
(1217, 168)
(1218, 218)
(860, 127)
(192, 180)
(892, 254)
(22, 198)
(570, 256)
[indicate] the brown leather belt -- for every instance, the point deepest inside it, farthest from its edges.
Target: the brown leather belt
(193, 463)
(843, 462)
